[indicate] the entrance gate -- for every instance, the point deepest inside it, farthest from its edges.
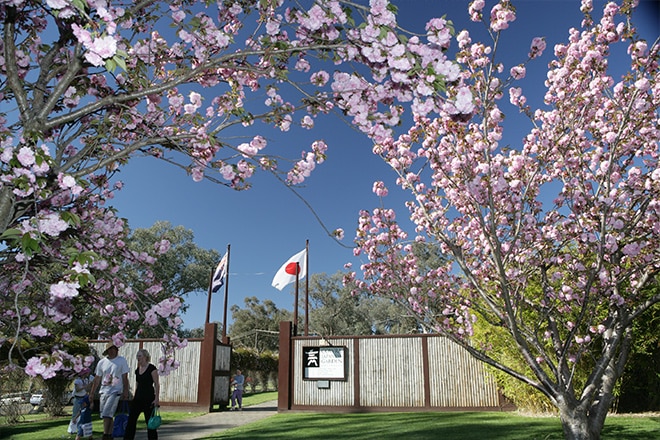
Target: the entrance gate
(214, 370)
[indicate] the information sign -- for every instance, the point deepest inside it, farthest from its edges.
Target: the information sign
(327, 363)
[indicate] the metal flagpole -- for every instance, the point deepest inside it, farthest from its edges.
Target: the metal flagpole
(295, 302)
(208, 300)
(307, 288)
(224, 313)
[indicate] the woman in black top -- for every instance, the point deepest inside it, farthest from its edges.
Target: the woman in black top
(146, 395)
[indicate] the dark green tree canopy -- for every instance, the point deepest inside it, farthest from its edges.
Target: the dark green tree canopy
(257, 325)
(184, 269)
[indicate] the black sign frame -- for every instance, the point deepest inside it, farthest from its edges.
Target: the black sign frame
(324, 363)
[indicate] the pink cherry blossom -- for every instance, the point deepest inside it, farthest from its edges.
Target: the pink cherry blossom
(38, 330)
(501, 15)
(64, 290)
(162, 246)
(26, 156)
(518, 72)
(379, 189)
(320, 78)
(570, 204)
(537, 47)
(51, 224)
(247, 150)
(475, 9)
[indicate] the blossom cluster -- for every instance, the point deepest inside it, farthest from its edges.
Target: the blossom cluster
(66, 222)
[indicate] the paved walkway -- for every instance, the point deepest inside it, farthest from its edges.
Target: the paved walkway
(210, 423)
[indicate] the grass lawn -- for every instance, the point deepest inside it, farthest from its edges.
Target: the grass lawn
(431, 426)
(42, 427)
(257, 398)
(376, 426)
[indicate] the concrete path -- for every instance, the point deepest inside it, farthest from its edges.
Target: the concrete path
(210, 423)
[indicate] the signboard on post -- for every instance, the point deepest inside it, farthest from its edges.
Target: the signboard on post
(324, 363)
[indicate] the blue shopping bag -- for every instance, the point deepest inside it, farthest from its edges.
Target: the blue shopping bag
(121, 420)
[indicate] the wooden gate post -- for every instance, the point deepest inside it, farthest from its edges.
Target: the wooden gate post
(206, 366)
(285, 368)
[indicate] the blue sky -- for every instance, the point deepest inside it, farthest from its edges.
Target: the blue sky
(268, 223)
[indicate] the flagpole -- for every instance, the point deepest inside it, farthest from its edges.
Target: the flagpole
(208, 300)
(224, 313)
(307, 288)
(295, 302)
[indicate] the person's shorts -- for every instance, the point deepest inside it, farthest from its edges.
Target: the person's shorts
(108, 405)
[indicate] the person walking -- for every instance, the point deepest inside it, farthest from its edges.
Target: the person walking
(237, 396)
(81, 387)
(111, 376)
(84, 420)
(145, 399)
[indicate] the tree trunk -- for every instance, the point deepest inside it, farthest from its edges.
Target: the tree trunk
(575, 423)
(580, 422)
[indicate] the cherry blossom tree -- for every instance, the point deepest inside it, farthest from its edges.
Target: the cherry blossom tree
(88, 84)
(553, 240)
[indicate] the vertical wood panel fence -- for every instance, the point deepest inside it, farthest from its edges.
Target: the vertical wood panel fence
(380, 373)
(385, 373)
(202, 379)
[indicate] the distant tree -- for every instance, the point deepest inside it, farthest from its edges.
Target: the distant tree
(333, 310)
(257, 325)
(197, 332)
(389, 317)
(185, 267)
(182, 270)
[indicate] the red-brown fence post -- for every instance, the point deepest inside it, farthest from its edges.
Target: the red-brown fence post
(285, 368)
(206, 366)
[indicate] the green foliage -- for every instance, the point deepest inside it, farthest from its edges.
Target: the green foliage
(640, 384)
(244, 358)
(268, 368)
(183, 269)
(257, 325)
(637, 391)
(334, 310)
(13, 383)
(390, 317)
(13, 380)
(192, 333)
(503, 348)
(259, 368)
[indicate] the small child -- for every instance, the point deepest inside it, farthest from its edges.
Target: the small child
(237, 396)
(84, 420)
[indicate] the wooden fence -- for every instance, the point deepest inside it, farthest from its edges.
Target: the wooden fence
(401, 372)
(388, 372)
(180, 386)
(202, 379)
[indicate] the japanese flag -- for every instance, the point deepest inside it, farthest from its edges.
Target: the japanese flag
(287, 273)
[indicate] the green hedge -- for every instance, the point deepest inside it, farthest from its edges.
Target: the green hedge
(259, 369)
